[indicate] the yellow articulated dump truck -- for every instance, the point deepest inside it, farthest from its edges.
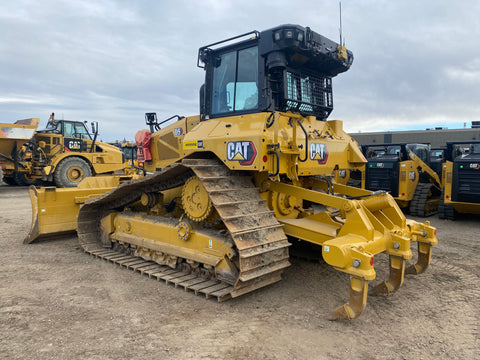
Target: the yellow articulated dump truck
(65, 152)
(12, 140)
(231, 187)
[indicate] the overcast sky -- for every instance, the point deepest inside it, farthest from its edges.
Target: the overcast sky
(417, 63)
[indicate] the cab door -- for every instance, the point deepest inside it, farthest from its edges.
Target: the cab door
(75, 136)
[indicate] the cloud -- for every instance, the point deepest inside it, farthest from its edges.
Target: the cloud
(416, 63)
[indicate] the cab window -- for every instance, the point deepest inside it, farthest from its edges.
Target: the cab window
(235, 81)
(75, 130)
(81, 132)
(68, 129)
(393, 150)
(423, 154)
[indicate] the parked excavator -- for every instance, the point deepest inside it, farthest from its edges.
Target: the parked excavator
(229, 187)
(404, 170)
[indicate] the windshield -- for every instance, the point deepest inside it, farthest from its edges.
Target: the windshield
(235, 81)
(75, 130)
(475, 149)
(393, 150)
(51, 125)
(129, 152)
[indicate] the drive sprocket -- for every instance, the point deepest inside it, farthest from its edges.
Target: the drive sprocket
(195, 200)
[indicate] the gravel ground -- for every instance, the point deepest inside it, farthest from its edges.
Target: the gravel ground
(58, 303)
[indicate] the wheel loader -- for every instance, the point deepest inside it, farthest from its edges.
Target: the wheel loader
(232, 188)
(461, 176)
(404, 171)
(64, 153)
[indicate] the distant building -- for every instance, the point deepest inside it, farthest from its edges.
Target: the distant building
(435, 136)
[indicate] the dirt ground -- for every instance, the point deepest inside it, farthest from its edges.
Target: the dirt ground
(58, 303)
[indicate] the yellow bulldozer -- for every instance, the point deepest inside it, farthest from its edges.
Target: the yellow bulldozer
(65, 152)
(231, 189)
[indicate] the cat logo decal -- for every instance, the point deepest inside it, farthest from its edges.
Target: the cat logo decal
(319, 152)
(242, 151)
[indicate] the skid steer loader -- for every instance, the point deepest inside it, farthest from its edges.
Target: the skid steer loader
(461, 176)
(230, 186)
(404, 171)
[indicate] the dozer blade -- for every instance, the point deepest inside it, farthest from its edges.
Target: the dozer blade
(55, 210)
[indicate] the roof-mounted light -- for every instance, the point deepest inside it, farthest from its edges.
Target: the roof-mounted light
(288, 34)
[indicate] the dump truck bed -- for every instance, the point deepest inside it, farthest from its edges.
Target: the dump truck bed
(12, 137)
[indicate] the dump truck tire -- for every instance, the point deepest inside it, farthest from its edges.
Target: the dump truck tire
(22, 180)
(9, 180)
(71, 171)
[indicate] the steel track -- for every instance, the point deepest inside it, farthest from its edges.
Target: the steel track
(421, 204)
(189, 281)
(260, 241)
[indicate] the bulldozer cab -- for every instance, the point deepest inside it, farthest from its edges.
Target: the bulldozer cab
(286, 68)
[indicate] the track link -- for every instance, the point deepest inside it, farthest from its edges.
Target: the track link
(423, 204)
(189, 281)
(445, 211)
(260, 241)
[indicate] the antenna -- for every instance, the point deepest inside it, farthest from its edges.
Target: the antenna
(340, 6)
